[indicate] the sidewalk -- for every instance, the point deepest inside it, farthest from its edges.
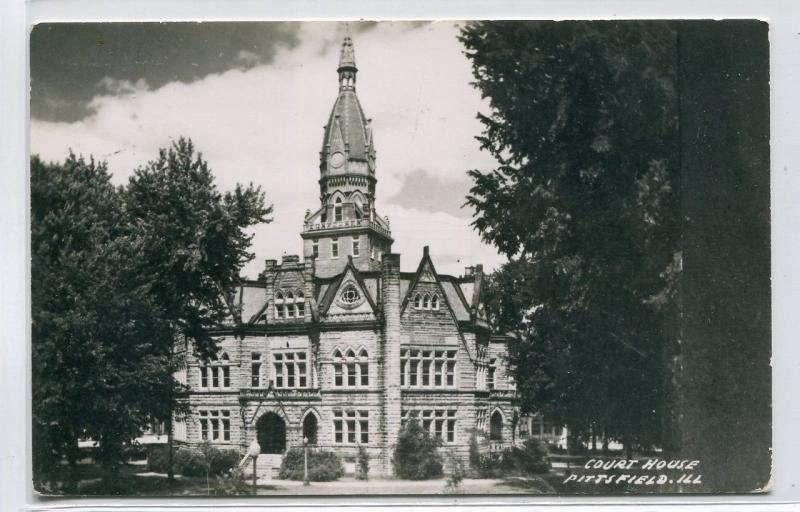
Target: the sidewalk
(351, 486)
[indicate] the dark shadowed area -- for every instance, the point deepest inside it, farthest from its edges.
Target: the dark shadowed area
(73, 62)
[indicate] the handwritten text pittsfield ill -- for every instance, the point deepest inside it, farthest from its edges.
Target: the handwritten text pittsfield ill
(638, 472)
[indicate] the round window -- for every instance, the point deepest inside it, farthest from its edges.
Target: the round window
(350, 295)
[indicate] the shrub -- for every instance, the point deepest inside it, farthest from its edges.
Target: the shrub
(323, 466)
(362, 472)
(223, 461)
(532, 457)
(193, 461)
(158, 459)
(416, 456)
(189, 462)
(234, 483)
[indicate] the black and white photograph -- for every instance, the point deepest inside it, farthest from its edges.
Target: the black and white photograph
(435, 257)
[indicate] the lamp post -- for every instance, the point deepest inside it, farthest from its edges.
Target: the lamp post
(305, 460)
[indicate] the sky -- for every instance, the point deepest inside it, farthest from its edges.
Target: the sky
(254, 97)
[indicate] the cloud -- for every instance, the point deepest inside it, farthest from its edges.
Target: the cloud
(423, 191)
(263, 124)
(70, 61)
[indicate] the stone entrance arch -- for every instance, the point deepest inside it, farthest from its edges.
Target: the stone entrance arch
(271, 433)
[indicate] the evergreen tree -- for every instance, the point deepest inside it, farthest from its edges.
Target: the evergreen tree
(583, 125)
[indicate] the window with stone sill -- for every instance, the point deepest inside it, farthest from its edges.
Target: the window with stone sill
(350, 370)
(215, 425)
(216, 374)
(428, 368)
(289, 304)
(290, 370)
(426, 301)
(350, 427)
(439, 423)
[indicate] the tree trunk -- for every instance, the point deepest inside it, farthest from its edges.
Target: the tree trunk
(170, 450)
(71, 484)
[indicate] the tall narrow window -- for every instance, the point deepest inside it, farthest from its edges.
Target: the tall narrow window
(451, 368)
(363, 368)
(334, 248)
(356, 247)
(315, 248)
(204, 425)
(350, 424)
(338, 427)
(226, 426)
(255, 370)
(490, 374)
(289, 305)
(203, 376)
(300, 305)
(435, 302)
(279, 307)
(363, 427)
(337, 210)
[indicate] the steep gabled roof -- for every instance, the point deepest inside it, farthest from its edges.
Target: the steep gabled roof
(333, 289)
(426, 266)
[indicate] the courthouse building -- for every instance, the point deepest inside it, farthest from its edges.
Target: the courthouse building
(341, 348)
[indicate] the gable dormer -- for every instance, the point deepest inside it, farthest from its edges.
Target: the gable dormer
(347, 298)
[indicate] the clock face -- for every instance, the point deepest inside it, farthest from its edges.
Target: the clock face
(337, 159)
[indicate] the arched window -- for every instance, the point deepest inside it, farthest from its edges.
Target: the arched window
(289, 305)
(299, 304)
(363, 368)
(426, 302)
(280, 309)
(338, 379)
(435, 302)
(310, 426)
(350, 370)
(217, 373)
(418, 301)
(337, 210)
(496, 426)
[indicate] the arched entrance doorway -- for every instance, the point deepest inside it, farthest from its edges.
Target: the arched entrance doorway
(271, 433)
(310, 428)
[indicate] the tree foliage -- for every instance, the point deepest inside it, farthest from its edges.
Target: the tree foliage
(118, 274)
(583, 202)
(416, 456)
(100, 347)
(196, 243)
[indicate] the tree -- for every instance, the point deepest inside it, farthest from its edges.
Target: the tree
(196, 240)
(415, 455)
(583, 125)
(99, 343)
(195, 245)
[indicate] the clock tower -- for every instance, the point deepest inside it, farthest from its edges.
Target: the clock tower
(346, 224)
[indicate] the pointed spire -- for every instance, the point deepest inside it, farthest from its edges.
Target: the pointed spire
(347, 63)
